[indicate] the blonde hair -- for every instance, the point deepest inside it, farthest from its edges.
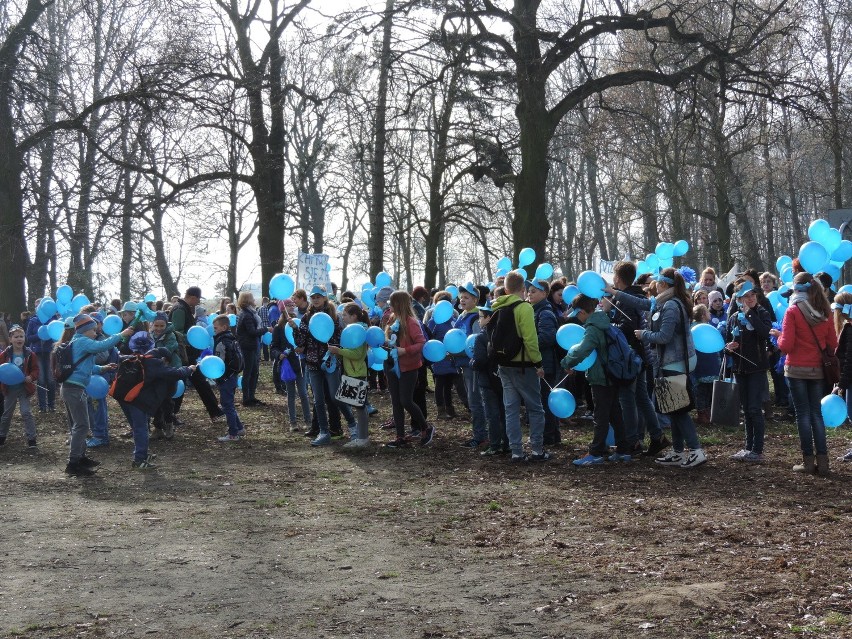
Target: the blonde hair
(245, 299)
(841, 299)
(400, 303)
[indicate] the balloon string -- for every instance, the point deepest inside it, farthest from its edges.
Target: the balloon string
(558, 384)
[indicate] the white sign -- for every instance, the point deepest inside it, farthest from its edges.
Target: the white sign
(312, 271)
(606, 268)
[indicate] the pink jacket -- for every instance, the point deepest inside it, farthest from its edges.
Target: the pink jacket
(798, 343)
(413, 345)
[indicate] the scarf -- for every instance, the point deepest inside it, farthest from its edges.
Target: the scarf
(811, 315)
(662, 298)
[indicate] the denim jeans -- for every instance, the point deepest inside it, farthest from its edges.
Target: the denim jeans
(646, 413)
(492, 406)
(807, 395)
(46, 394)
(684, 432)
(300, 386)
(78, 416)
(99, 418)
(477, 412)
(251, 367)
(782, 392)
(227, 389)
(139, 424)
(626, 398)
(17, 394)
(322, 382)
(522, 384)
(753, 389)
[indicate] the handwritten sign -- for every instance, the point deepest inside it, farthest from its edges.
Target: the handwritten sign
(313, 271)
(606, 269)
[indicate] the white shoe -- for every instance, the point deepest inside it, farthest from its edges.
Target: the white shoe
(740, 455)
(672, 459)
(695, 458)
(357, 443)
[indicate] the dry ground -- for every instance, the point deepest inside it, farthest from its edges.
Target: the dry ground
(271, 538)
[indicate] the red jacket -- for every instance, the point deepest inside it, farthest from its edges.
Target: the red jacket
(798, 343)
(413, 345)
(31, 368)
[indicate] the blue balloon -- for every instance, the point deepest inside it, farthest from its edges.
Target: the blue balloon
(504, 264)
(569, 293)
(526, 257)
(813, 256)
(652, 262)
(817, 229)
(43, 334)
(281, 286)
(369, 298)
(570, 335)
(843, 252)
(561, 403)
(455, 341)
(502, 272)
(372, 362)
(786, 274)
(845, 289)
(353, 336)
(379, 354)
(587, 363)
(591, 284)
(46, 310)
(786, 260)
(831, 240)
(266, 338)
(181, 387)
(366, 286)
(707, 338)
(833, 410)
(544, 271)
(212, 367)
(64, 294)
(211, 331)
(65, 310)
(442, 313)
(97, 387)
(468, 345)
(78, 302)
(375, 337)
(55, 330)
(10, 374)
(522, 272)
(453, 290)
(198, 337)
(288, 333)
(240, 381)
(232, 319)
(681, 247)
(383, 279)
(665, 250)
(112, 325)
(832, 270)
(434, 350)
(150, 297)
(321, 326)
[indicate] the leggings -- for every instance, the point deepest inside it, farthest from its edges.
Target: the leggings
(402, 399)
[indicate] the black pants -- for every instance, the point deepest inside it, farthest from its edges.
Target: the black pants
(402, 399)
(607, 411)
(202, 387)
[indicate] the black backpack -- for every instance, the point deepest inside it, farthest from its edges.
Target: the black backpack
(63, 362)
(622, 364)
(504, 343)
(129, 379)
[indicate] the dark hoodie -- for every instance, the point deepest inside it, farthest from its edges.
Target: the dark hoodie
(160, 381)
(630, 319)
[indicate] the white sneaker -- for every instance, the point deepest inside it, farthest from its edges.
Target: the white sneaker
(672, 459)
(357, 443)
(695, 458)
(740, 455)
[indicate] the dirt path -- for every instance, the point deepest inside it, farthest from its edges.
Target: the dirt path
(270, 538)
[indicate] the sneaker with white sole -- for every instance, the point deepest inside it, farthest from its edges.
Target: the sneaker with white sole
(739, 455)
(672, 459)
(695, 458)
(228, 438)
(753, 458)
(357, 443)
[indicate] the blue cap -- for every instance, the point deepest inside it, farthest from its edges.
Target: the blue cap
(747, 287)
(487, 308)
(534, 284)
(318, 290)
(470, 288)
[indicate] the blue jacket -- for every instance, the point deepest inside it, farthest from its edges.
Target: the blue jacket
(469, 323)
(82, 345)
(36, 344)
(546, 326)
(448, 365)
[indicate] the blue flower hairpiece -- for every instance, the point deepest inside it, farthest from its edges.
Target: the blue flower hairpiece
(688, 274)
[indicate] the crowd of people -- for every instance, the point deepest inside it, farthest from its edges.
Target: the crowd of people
(635, 372)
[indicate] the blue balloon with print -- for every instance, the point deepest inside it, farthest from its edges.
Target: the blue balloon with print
(321, 326)
(353, 336)
(526, 257)
(179, 389)
(707, 338)
(681, 247)
(434, 350)
(591, 284)
(570, 335)
(212, 367)
(833, 410)
(64, 294)
(281, 286)
(561, 403)
(442, 312)
(375, 337)
(504, 264)
(813, 257)
(55, 330)
(544, 271)
(10, 374)
(198, 338)
(383, 279)
(455, 341)
(97, 388)
(587, 363)
(112, 325)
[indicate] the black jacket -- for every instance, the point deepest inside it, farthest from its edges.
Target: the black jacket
(753, 341)
(844, 354)
(160, 384)
(634, 321)
(249, 330)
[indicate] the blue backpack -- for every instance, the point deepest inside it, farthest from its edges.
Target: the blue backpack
(622, 364)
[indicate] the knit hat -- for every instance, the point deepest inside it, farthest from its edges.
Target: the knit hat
(162, 353)
(383, 295)
(140, 342)
(712, 296)
(129, 307)
(83, 323)
(161, 317)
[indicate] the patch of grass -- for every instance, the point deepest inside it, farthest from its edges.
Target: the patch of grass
(494, 506)
(836, 619)
(333, 477)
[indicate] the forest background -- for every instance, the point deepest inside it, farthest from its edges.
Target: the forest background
(147, 145)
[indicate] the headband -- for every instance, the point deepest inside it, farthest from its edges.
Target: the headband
(846, 309)
(667, 280)
(802, 287)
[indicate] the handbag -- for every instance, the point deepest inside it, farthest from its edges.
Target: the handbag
(352, 391)
(830, 361)
(725, 405)
(673, 391)
(287, 372)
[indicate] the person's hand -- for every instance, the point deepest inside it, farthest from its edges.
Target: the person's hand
(334, 350)
(192, 367)
(775, 332)
(282, 357)
(28, 379)
(638, 333)
(110, 367)
(732, 346)
(400, 350)
(609, 289)
(127, 332)
(838, 391)
(540, 373)
(269, 328)
(606, 304)
(300, 350)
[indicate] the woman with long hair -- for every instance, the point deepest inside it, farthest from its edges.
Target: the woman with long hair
(249, 331)
(282, 350)
(842, 307)
(405, 340)
(669, 340)
(806, 332)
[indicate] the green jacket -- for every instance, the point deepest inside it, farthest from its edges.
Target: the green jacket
(355, 360)
(525, 323)
(594, 340)
(169, 340)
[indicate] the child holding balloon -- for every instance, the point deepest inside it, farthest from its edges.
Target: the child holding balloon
(225, 347)
(353, 351)
(19, 392)
(283, 350)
